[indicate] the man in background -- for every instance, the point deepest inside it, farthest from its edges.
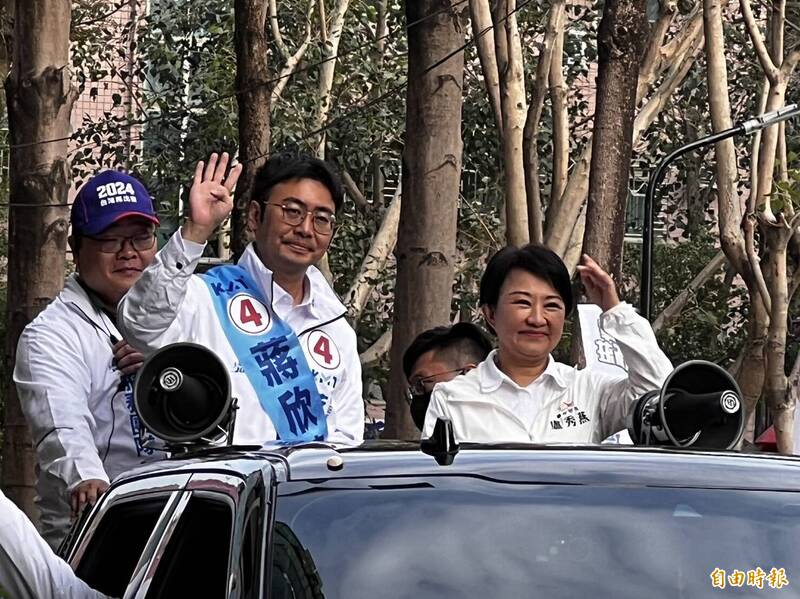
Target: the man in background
(439, 355)
(74, 372)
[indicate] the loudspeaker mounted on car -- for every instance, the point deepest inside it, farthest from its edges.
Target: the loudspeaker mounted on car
(698, 406)
(182, 394)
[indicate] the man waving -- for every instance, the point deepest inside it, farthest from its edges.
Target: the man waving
(272, 318)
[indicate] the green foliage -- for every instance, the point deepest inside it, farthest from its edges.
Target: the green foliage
(710, 325)
(183, 76)
(787, 193)
(181, 72)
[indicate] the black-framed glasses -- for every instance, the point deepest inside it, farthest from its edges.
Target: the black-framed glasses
(424, 385)
(295, 212)
(113, 245)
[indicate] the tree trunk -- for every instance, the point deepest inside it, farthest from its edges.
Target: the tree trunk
(621, 41)
(426, 245)
(562, 215)
(560, 113)
(514, 109)
(7, 42)
(330, 49)
(484, 34)
(751, 375)
(554, 30)
(776, 382)
(39, 95)
(693, 195)
(252, 76)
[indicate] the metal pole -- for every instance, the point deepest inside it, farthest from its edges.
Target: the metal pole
(747, 127)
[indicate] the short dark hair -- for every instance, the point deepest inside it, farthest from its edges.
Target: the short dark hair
(288, 165)
(536, 259)
(463, 340)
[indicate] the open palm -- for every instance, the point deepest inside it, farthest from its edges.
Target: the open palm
(210, 199)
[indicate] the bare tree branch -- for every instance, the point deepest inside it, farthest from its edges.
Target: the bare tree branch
(755, 147)
(276, 30)
(651, 61)
(481, 19)
(675, 307)
(293, 61)
(323, 22)
(730, 214)
(678, 70)
(508, 49)
(776, 31)
(330, 48)
(354, 192)
(376, 351)
(760, 48)
(375, 260)
(572, 255)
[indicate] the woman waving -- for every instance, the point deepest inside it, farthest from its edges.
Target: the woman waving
(520, 393)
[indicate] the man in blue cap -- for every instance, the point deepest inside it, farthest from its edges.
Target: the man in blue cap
(74, 372)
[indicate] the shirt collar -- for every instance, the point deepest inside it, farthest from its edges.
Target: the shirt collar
(314, 291)
(491, 377)
(76, 294)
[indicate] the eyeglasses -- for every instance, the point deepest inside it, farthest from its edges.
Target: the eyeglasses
(420, 386)
(294, 213)
(114, 245)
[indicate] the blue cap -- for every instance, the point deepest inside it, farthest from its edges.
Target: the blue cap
(107, 198)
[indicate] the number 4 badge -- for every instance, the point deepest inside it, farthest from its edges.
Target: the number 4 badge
(248, 314)
(323, 350)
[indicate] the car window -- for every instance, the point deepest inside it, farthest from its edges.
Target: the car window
(468, 537)
(117, 544)
(195, 561)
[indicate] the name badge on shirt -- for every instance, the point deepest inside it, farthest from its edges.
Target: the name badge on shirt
(568, 416)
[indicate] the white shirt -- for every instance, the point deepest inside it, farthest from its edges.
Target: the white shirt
(28, 568)
(563, 405)
(77, 404)
(169, 304)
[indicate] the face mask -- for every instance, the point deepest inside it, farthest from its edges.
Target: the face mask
(419, 406)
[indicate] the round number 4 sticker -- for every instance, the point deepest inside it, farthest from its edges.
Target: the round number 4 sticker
(323, 350)
(248, 314)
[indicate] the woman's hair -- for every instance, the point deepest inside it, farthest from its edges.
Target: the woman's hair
(536, 259)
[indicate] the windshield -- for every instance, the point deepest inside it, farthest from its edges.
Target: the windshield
(468, 537)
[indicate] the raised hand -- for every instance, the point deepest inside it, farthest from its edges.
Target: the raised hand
(210, 200)
(600, 287)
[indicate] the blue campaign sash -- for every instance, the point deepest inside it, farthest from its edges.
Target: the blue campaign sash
(273, 360)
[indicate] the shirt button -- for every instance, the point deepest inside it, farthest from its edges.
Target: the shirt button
(178, 265)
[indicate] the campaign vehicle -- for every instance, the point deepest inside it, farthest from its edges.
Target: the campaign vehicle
(387, 520)
(433, 519)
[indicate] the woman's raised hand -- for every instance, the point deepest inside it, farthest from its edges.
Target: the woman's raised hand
(600, 287)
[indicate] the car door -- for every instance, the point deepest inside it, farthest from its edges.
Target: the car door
(200, 534)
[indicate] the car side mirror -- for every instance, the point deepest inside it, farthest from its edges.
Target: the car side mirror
(442, 443)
